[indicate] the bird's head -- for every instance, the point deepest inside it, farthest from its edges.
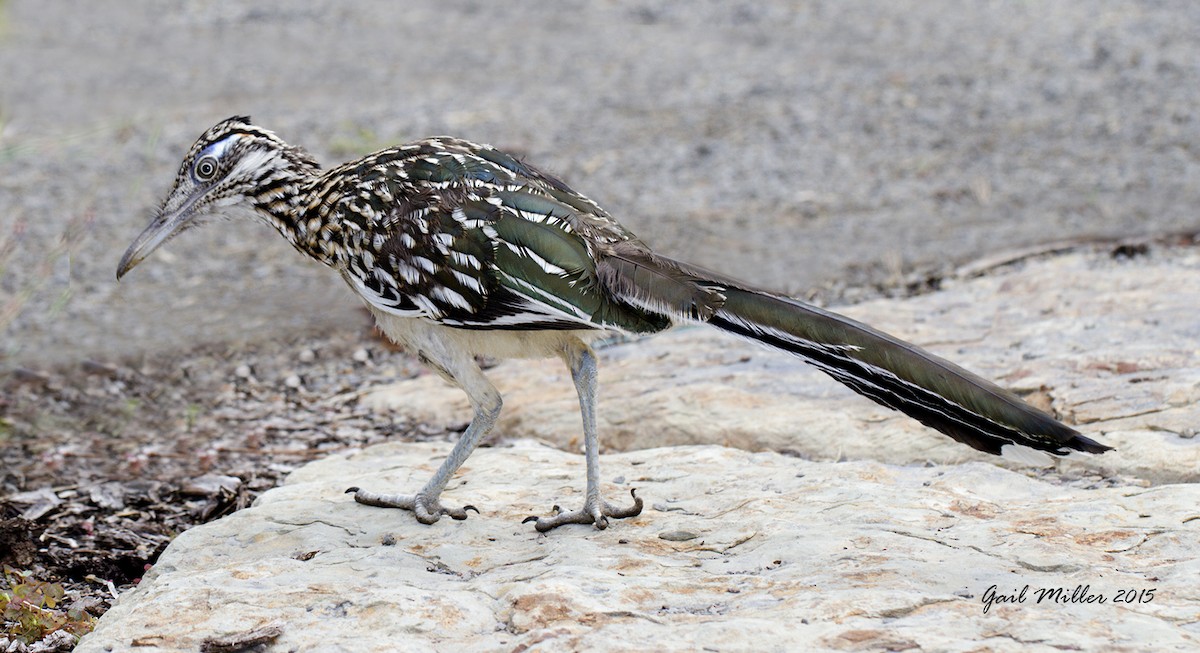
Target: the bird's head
(227, 173)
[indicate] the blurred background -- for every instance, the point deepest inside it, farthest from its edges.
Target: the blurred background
(799, 145)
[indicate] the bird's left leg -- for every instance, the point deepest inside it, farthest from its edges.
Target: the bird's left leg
(582, 362)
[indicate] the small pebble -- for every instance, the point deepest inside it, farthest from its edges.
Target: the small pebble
(308, 356)
(362, 355)
(292, 381)
(242, 372)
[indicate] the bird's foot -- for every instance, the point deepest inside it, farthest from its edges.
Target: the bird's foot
(595, 511)
(426, 510)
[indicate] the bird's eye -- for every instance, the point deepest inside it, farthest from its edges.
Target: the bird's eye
(206, 168)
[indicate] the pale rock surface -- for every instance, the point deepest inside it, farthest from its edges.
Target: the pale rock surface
(789, 553)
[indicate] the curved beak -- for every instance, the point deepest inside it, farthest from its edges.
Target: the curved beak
(155, 234)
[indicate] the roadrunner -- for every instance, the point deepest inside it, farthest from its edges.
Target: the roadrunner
(461, 250)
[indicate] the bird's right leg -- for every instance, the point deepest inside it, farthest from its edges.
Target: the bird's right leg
(462, 371)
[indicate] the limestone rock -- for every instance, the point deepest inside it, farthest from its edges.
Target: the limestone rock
(744, 551)
(788, 555)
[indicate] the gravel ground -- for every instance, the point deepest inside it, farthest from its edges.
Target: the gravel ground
(103, 465)
(835, 149)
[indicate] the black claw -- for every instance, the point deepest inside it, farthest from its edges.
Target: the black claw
(351, 490)
(529, 519)
(631, 511)
(472, 508)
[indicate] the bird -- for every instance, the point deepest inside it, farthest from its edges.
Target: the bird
(461, 250)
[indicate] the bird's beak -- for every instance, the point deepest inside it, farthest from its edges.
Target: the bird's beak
(156, 233)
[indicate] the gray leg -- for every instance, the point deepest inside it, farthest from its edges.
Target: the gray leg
(425, 505)
(582, 362)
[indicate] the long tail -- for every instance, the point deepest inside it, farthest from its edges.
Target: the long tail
(899, 375)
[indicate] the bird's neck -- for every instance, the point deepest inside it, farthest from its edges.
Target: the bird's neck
(284, 199)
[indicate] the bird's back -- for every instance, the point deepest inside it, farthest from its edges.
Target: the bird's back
(469, 237)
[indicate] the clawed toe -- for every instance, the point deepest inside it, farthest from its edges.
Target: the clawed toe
(425, 510)
(455, 513)
(593, 512)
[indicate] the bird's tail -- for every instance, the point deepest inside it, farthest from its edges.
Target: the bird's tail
(892, 372)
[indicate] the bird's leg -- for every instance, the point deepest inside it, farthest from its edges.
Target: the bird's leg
(486, 401)
(582, 361)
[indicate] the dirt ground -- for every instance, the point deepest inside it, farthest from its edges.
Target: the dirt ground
(104, 465)
(828, 149)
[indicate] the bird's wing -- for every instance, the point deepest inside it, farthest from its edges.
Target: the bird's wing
(470, 237)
